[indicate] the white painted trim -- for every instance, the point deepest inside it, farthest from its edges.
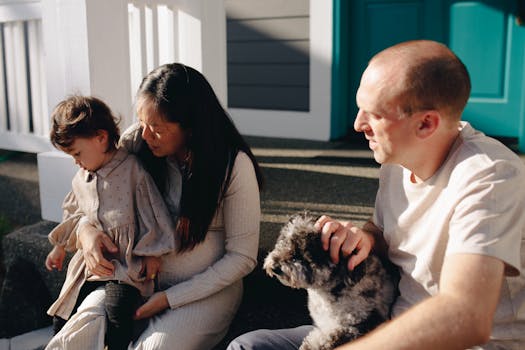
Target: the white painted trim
(55, 172)
(66, 49)
(88, 52)
(314, 124)
(24, 142)
(214, 48)
(108, 55)
(20, 11)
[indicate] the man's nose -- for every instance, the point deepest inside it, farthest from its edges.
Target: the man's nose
(360, 121)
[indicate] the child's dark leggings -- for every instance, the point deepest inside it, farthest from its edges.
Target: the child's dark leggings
(121, 301)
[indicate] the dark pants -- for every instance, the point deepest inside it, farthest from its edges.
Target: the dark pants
(275, 339)
(121, 301)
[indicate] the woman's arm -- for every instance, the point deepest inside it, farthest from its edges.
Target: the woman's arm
(241, 212)
(93, 242)
(131, 139)
(155, 234)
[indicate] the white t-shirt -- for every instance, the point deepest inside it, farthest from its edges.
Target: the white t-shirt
(474, 203)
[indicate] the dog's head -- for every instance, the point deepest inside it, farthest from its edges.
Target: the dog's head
(298, 259)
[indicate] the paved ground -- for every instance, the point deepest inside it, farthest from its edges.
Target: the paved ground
(335, 178)
(20, 201)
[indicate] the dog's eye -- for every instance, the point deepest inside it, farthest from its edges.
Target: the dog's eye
(277, 270)
(297, 258)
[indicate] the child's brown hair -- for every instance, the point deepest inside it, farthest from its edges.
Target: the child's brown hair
(82, 116)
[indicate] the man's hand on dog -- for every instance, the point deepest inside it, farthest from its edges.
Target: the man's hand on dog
(343, 238)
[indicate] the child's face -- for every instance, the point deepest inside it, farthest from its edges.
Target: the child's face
(89, 152)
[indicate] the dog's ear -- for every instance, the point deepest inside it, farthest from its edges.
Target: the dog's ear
(353, 277)
(306, 216)
(314, 248)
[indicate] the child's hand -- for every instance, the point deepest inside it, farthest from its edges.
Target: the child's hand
(55, 258)
(152, 266)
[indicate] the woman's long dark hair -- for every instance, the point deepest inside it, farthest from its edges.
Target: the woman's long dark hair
(182, 95)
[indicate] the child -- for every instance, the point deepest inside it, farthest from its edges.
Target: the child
(106, 191)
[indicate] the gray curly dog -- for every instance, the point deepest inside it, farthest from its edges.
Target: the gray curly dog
(343, 304)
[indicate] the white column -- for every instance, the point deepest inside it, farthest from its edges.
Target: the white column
(86, 52)
(214, 60)
(202, 40)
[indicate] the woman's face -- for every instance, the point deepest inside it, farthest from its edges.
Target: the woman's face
(164, 138)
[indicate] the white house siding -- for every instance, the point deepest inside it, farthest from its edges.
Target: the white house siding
(279, 55)
(268, 54)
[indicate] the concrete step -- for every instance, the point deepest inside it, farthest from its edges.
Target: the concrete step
(20, 199)
(34, 340)
(29, 289)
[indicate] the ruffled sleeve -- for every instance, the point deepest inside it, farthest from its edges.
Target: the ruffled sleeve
(156, 234)
(64, 234)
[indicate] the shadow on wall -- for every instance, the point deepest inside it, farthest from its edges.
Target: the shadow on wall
(268, 57)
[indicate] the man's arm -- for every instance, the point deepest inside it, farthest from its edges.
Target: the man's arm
(459, 317)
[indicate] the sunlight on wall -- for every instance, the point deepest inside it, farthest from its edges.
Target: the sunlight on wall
(160, 34)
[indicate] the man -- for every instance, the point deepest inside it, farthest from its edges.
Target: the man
(449, 212)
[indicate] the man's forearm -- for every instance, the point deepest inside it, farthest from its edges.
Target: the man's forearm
(380, 247)
(437, 323)
(459, 317)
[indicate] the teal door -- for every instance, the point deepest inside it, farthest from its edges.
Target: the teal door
(484, 34)
(487, 37)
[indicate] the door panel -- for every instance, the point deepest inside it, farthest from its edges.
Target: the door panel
(479, 31)
(378, 24)
(484, 34)
(381, 16)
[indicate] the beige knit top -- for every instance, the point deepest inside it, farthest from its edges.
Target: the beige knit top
(229, 251)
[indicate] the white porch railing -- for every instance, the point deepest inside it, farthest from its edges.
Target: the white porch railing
(50, 49)
(23, 106)
(105, 47)
(191, 32)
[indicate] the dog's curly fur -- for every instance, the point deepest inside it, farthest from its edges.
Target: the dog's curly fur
(343, 304)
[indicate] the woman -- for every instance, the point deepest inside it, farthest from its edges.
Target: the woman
(210, 180)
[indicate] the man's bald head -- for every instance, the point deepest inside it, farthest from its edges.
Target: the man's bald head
(426, 75)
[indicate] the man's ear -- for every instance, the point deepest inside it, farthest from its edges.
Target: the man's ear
(429, 122)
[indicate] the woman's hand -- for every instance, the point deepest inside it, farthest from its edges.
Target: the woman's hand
(93, 243)
(157, 303)
(151, 266)
(344, 239)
